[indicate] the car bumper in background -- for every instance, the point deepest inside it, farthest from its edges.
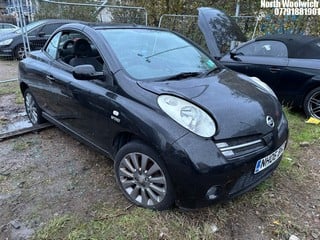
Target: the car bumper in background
(6, 52)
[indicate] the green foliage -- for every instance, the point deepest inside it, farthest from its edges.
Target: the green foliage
(77, 12)
(12, 88)
(268, 24)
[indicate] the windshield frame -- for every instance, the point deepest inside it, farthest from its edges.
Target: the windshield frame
(193, 59)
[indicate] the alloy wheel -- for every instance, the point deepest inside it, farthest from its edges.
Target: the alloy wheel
(142, 179)
(31, 108)
(314, 104)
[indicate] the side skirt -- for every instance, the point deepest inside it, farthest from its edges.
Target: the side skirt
(77, 136)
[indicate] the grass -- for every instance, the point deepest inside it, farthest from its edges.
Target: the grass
(12, 88)
(300, 133)
(53, 228)
(136, 223)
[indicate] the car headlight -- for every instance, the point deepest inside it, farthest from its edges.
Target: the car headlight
(188, 115)
(6, 42)
(264, 86)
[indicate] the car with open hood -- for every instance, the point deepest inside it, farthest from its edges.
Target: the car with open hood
(180, 127)
(288, 63)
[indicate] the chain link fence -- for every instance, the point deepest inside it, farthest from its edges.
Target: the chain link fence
(188, 26)
(36, 28)
(33, 36)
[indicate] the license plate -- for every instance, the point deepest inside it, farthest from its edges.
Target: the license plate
(268, 160)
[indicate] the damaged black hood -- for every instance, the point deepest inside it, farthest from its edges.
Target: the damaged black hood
(239, 106)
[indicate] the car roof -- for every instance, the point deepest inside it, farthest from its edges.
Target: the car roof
(117, 25)
(101, 25)
(52, 20)
(299, 46)
(4, 23)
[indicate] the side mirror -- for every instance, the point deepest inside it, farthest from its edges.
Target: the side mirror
(87, 72)
(41, 34)
(234, 55)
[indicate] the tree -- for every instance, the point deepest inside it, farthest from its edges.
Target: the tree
(53, 10)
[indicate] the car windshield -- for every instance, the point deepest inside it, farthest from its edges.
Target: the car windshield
(149, 54)
(30, 26)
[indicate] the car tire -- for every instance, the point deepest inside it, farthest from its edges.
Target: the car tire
(33, 111)
(311, 105)
(142, 176)
(19, 53)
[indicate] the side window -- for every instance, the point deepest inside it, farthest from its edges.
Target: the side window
(264, 49)
(76, 49)
(50, 28)
(52, 48)
(7, 26)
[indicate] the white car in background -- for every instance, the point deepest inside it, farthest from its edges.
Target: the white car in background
(7, 28)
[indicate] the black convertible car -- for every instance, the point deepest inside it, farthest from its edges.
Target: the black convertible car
(180, 127)
(289, 64)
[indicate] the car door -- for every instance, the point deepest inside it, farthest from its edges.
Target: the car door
(84, 107)
(267, 60)
(37, 74)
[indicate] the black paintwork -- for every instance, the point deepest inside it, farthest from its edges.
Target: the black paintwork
(291, 76)
(86, 109)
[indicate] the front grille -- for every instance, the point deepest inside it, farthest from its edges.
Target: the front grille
(244, 146)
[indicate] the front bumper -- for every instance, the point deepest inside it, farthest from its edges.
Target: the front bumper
(5, 51)
(202, 174)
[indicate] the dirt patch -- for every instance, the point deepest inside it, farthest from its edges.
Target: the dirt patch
(8, 69)
(50, 174)
(12, 115)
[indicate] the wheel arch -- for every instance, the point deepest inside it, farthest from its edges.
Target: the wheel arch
(310, 88)
(23, 87)
(123, 138)
(313, 83)
(311, 108)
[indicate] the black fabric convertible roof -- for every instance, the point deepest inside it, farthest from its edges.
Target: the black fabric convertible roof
(299, 46)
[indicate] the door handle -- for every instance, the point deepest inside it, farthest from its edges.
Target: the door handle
(50, 78)
(274, 69)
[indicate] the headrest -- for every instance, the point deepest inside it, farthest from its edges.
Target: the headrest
(82, 48)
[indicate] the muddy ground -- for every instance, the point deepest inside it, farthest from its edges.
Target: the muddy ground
(49, 174)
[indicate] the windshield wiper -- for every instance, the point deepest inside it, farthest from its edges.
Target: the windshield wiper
(165, 51)
(214, 70)
(183, 75)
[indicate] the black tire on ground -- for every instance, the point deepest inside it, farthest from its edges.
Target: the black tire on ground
(311, 105)
(142, 176)
(32, 109)
(19, 52)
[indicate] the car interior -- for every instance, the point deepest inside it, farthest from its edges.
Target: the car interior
(76, 49)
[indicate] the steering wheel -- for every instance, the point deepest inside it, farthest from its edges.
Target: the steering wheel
(67, 43)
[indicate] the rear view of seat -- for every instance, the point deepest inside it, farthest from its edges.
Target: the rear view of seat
(83, 55)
